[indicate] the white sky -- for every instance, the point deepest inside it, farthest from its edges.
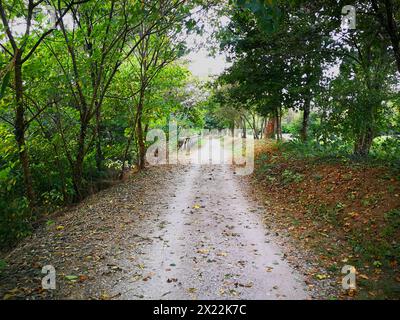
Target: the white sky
(200, 63)
(203, 66)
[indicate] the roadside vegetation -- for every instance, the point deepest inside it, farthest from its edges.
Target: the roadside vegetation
(344, 211)
(323, 101)
(82, 82)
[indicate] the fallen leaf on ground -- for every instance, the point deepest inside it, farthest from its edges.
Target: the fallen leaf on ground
(104, 296)
(11, 294)
(71, 278)
(82, 278)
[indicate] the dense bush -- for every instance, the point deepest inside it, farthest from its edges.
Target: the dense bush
(387, 148)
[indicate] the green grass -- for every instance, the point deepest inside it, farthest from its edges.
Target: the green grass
(289, 176)
(3, 266)
(324, 212)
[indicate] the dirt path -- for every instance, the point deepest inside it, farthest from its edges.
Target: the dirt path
(198, 237)
(210, 244)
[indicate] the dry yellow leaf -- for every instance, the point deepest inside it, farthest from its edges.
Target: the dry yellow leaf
(321, 276)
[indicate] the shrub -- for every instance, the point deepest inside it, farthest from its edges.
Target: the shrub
(14, 221)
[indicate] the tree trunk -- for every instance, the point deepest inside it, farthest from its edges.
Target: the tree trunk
(77, 170)
(386, 16)
(99, 153)
(254, 127)
(278, 126)
(363, 142)
(262, 128)
(125, 158)
(366, 130)
(270, 128)
(20, 133)
(62, 175)
(139, 132)
(128, 144)
(305, 123)
(244, 133)
(142, 148)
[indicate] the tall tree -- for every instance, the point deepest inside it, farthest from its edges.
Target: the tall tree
(387, 13)
(20, 49)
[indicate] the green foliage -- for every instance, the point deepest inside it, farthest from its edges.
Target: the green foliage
(288, 67)
(3, 265)
(386, 148)
(81, 89)
(289, 176)
(324, 212)
(337, 151)
(393, 220)
(268, 13)
(294, 127)
(4, 84)
(14, 220)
